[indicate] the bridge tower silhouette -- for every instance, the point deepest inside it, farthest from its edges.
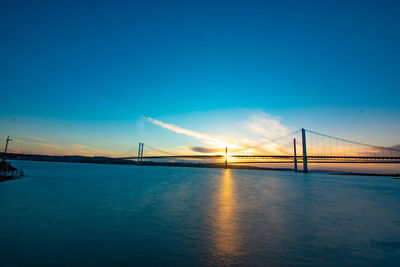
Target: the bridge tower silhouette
(140, 153)
(304, 144)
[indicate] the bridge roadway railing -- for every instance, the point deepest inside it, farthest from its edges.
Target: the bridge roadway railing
(288, 158)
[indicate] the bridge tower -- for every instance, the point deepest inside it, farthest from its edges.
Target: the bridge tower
(140, 153)
(226, 157)
(295, 155)
(304, 144)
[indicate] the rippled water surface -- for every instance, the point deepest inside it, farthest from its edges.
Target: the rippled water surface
(100, 215)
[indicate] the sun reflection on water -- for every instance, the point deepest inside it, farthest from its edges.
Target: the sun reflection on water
(226, 227)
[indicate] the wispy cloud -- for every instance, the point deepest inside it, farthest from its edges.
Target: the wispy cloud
(211, 139)
(87, 150)
(266, 125)
(263, 125)
(46, 145)
(43, 140)
(50, 147)
(205, 149)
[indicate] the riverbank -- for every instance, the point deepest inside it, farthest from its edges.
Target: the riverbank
(108, 160)
(8, 172)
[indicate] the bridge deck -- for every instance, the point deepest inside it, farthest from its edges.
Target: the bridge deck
(288, 157)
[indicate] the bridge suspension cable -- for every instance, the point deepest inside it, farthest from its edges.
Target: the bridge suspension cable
(159, 150)
(338, 146)
(286, 138)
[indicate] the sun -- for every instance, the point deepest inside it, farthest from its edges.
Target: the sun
(228, 157)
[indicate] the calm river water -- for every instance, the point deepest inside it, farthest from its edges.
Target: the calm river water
(101, 215)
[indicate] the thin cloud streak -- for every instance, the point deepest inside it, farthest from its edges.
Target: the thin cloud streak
(46, 145)
(84, 149)
(205, 149)
(56, 149)
(211, 139)
(266, 125)
(261, 124)
(42, 140)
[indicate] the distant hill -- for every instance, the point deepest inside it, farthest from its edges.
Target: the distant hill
(397, 147)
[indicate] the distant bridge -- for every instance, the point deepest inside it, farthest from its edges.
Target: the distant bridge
(291, 157)
(314, 148)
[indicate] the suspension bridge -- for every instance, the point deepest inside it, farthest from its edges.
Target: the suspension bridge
(299, 148)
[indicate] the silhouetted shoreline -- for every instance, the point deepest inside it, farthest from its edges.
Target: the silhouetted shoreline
(108, 160)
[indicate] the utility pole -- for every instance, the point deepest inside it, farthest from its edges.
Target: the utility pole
(5, 150)
(303, 136)
(295, 155)
(226, 157)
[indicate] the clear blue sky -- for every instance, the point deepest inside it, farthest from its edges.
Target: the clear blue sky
(72, 70)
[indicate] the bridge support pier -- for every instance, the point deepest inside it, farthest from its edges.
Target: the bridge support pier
(304, 144)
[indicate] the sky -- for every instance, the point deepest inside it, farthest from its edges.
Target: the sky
(98, 77)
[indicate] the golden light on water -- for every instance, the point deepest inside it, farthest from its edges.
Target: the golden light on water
(226, 228)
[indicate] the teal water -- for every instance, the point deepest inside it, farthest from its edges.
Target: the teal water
(69, 214)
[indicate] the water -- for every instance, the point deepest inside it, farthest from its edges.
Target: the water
(100, 215)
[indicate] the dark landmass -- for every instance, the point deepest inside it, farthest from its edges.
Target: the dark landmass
(6, 167)
(76, 159)
(108, 160)
(8, 172)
